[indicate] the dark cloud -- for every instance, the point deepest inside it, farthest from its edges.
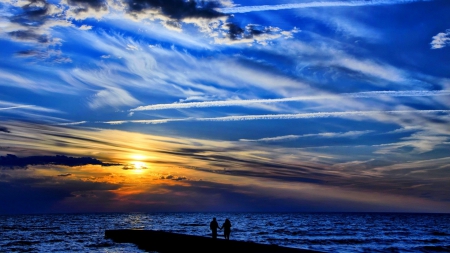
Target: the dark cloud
(34, 18)
(254, 31)
(177, 9)
(234, 31)
(65, 175)
(35, 13)
(399, 182)
(275, 170)
(207, 196)
(12, 161)
(87, 5)
(30, 35)
(4, 129)
(204, 196)
(172, 177)
(23, 198)
(133, 167)
(45, 54)
(42, 195)
(4, 176)
(274, 175)
(94, 4)
(27, 53)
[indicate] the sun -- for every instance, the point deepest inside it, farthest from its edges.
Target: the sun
(138, 157)
(139, 165)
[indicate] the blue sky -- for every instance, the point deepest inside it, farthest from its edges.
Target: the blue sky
(146, 105)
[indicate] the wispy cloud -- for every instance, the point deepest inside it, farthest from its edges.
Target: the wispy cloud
(369, 94)
(169, 71)
(72, 123)
(441, 40)
(7, 106)
(419, 141)
(282, 116)
(85, 27)
(340, 61)
(150, 121)
(405, 129)
(221, 103)
(15, 107)
(7, 79)
(409, 93)
(316, 115)
(245, 9)
(350, 134)
(411, 166)
(114, 97)
(25, 77)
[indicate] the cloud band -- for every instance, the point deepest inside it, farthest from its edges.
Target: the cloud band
(245, 9)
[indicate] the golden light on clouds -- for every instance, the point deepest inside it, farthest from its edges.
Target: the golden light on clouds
(142, 168)
(138, 167)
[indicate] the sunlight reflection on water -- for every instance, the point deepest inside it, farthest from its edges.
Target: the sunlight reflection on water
(325, 232)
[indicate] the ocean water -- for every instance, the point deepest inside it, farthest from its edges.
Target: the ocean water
(327, 232)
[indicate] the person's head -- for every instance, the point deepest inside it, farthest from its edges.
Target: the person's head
(214, 218)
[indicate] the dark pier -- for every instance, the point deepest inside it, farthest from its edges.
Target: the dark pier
(165, 242)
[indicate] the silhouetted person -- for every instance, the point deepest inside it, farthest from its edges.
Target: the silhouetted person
(213, 225)
(226, 229)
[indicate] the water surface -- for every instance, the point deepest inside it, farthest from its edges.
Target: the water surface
(328, 232)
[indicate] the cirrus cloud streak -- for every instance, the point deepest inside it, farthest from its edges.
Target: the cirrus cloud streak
(370, 94)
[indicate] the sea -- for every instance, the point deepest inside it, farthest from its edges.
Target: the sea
(325, 232)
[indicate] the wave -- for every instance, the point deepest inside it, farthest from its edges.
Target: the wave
(193, 224)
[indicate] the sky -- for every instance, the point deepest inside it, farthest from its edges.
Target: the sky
(224, 106)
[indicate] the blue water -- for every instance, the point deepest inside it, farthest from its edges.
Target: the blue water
(327, 232)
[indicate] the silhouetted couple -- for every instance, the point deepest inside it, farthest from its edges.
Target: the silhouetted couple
(226, 228)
